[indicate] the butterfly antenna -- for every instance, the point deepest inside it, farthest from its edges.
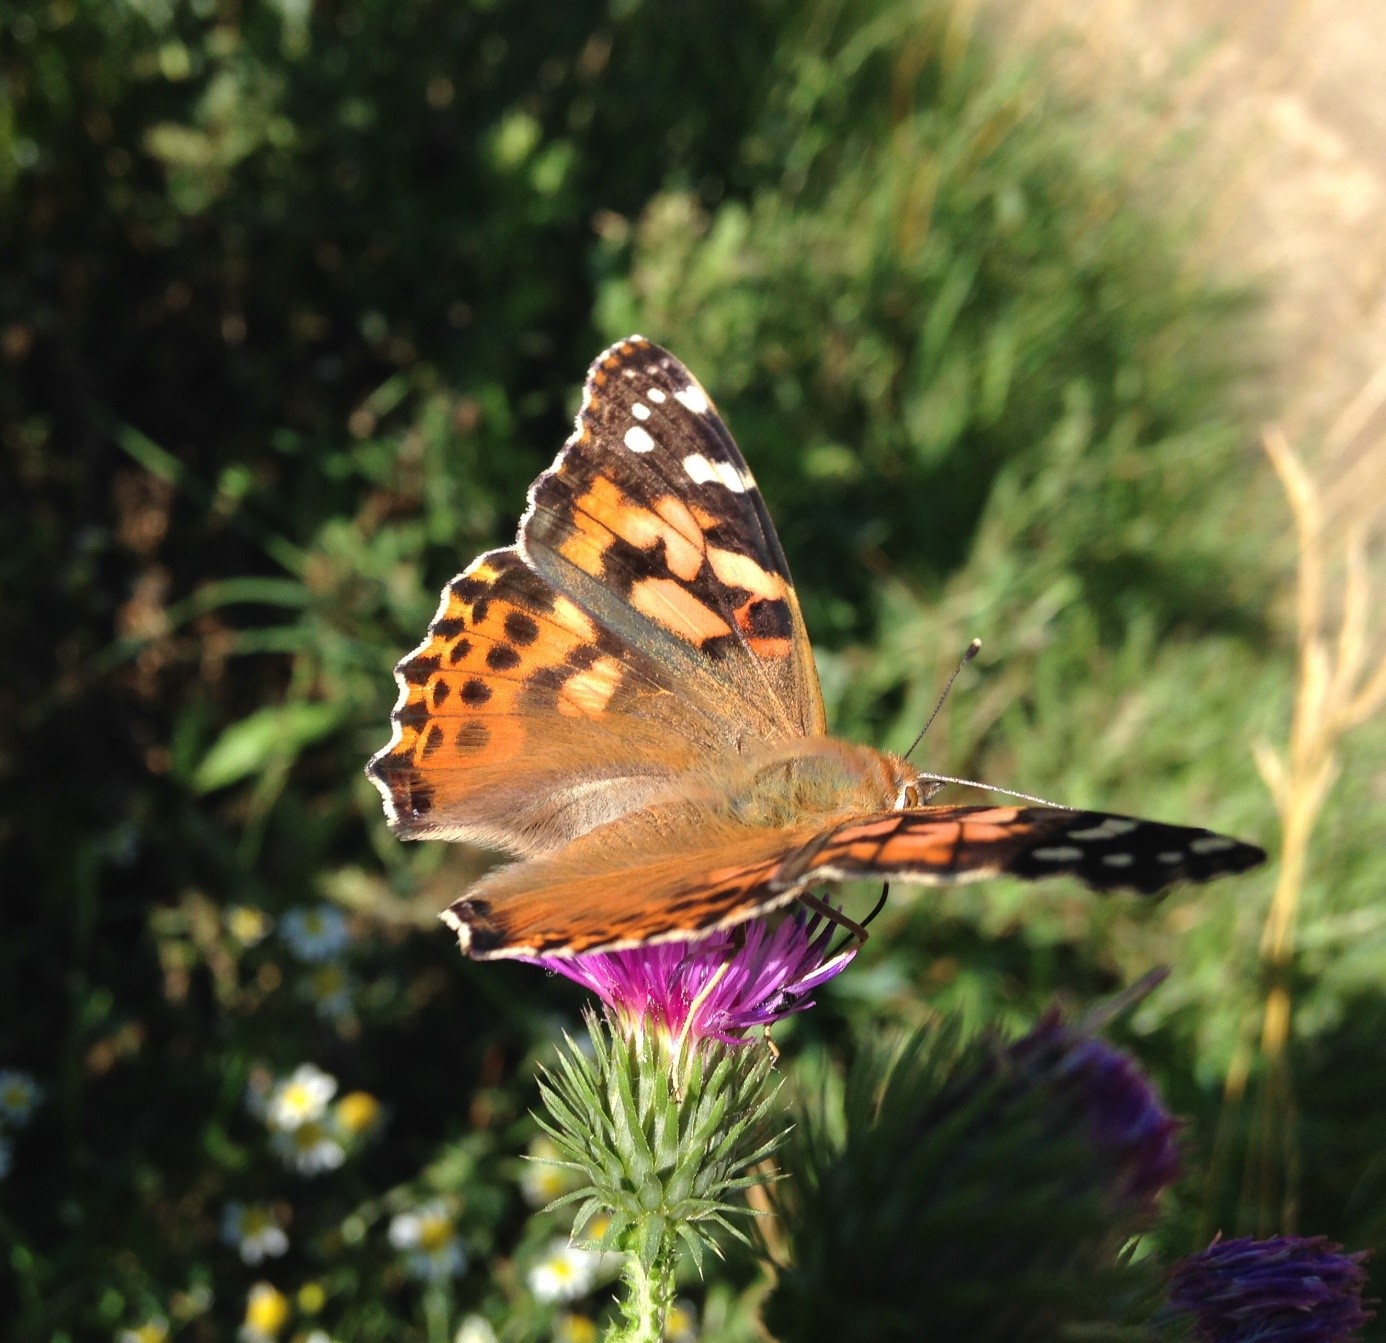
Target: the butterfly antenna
(973, 649)
(993, 788)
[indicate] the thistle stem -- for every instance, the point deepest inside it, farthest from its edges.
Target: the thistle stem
(649, 1295)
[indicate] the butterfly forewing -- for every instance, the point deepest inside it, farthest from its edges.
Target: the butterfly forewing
(651, 519)
(937, 845)
(643, 622)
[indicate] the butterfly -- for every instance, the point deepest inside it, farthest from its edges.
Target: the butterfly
(625, 702)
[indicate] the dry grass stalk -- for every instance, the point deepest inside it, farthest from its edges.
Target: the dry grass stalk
(1336, 691)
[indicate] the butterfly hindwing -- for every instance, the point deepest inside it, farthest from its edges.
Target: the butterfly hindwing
(603, 896)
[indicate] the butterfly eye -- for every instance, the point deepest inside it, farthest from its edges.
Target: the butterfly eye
(908, 796)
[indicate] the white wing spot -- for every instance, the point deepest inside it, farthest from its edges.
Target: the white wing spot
(703, 472)
(640, 412)
(656, 396)
(1171, 856)
(693, 398)
(1059, 853)
(1213, 844)
(638, 439)
(1117, 860)
(1112, 828)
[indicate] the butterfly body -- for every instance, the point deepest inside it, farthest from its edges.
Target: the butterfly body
(625, 702)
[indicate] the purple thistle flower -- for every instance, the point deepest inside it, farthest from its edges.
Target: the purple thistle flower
(718, 988)
(1288, 1289)
(1125, 1118)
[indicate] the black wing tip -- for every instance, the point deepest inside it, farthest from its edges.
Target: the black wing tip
(1113, 853)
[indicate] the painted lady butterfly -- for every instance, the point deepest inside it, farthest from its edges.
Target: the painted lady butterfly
(625, 700)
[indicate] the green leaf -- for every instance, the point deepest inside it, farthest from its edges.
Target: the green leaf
(268, 737)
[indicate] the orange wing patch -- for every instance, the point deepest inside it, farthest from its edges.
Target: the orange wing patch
(490, 700)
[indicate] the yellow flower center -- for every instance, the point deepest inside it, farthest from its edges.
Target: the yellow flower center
(328, 979)
(266, 1309)
(435, 1234)
(298, 1100)
(357, 1111)
(576, 1329)
(255, 1221)
(308, 1136)
(247, 924)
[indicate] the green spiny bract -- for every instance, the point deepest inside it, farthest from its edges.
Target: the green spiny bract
(665, 1135)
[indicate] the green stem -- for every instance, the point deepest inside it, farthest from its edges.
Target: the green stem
(649, 1295)
(437, 1302)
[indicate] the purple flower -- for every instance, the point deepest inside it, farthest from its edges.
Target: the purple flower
(1124, 1117)
(720, 987)
(1289, 1289)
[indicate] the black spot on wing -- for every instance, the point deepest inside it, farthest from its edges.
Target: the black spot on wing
(521, 629)
(417, 670)
(475, 692)
(769, 618)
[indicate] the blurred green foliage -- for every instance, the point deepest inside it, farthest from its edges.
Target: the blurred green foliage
(296, 302)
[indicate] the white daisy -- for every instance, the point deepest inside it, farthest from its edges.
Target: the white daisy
(317, 934)
(564, 1273)
(474, 1329)
(300, 1098)
(310, 1149)
(254, 1230)
(428, 1236)
(19, 1094)
(542, 1179)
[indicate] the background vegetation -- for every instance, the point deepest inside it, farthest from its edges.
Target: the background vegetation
(296, 302)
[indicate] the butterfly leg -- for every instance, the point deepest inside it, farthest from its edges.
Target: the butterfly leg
(833, 915)
(867, 921)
